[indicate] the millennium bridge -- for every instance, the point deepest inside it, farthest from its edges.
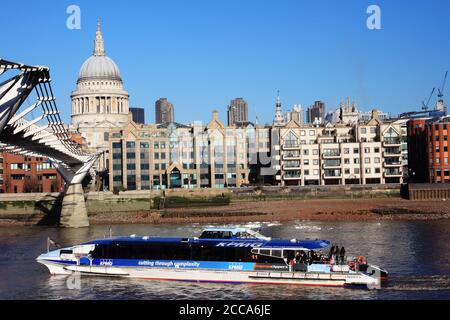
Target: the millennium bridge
(44, 135)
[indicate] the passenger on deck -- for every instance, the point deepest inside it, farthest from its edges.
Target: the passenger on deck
(297, 257)
(342, 255)
(336, 255)
(332, 251)
(303, 257)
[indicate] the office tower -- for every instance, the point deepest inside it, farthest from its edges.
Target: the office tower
(164, 111)
(296, 114)
(138, 115)
(316, 113)
(237, 112)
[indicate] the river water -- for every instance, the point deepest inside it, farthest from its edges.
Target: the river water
(416, 254)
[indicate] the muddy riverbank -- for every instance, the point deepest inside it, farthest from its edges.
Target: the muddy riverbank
(275, 210)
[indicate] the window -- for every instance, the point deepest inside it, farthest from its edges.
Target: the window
(367, 160)
(312, 133)
(368, 171)
(366, 150)
(356, 151)
(363, 130)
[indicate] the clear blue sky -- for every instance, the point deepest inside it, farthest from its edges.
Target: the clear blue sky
(201, 53)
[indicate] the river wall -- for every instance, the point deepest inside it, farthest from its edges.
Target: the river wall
(25, 206)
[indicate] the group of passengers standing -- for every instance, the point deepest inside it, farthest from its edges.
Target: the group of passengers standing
(335, 256)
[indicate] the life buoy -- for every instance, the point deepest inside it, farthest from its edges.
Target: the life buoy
(362, 260)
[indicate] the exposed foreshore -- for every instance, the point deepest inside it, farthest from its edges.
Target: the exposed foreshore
(365, 209)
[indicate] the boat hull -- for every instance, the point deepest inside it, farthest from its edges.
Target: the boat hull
(216, 276)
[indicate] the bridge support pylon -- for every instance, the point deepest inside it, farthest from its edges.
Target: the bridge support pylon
(74, 211)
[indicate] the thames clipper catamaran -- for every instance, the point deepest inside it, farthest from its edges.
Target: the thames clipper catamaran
(218, 255)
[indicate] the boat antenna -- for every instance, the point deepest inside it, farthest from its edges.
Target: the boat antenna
(110, 232)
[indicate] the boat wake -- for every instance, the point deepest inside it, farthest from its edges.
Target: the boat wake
(419, 283)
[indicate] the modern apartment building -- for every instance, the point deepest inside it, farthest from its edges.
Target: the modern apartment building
(341, 154)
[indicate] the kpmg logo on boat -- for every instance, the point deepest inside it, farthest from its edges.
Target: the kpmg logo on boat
(73, 282)
(239, 244)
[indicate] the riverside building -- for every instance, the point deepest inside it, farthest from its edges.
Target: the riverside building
(173, 155)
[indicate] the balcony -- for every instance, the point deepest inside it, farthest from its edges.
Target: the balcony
(332, 174)
(292, 157)
(335, 176)
(392, 153)
(291, 146)
(331, 155)
(392, 142)
(393, 164)
(292, 177)
(393, 174)
(331, 164)
(292, 165)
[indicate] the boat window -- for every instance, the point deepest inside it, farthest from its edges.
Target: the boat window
(216, 235)
(264, 252)
(276, 253)
(66, 252)
(244, 235)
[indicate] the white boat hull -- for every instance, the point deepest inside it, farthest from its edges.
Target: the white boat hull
(220, 276)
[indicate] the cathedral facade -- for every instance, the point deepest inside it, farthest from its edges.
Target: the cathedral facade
(100, 102)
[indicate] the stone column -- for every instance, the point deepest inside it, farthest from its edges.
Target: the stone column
(74, 211)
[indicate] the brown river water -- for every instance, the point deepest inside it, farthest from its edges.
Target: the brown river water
(416, 254)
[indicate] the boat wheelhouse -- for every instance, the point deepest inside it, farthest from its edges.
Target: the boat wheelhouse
(217, 255)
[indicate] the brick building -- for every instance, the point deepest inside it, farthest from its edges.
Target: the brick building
(428, 150)
(22, 174)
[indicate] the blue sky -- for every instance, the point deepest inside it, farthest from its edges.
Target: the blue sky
(200, 54)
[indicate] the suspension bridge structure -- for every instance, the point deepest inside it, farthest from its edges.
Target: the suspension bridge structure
(37, 130)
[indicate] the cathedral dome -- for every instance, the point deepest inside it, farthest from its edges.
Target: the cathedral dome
(99, 66)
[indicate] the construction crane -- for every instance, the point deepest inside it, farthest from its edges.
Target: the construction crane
(425, 106)
(441, 91)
